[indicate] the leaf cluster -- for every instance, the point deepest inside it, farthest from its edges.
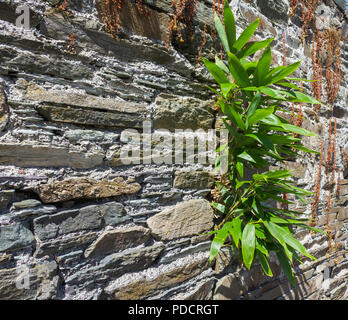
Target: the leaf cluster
(250, 97)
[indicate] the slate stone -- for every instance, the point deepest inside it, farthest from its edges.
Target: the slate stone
(274, 9)
(59, 246)
(115, 265)
(55, 225)
(27, 155)
(91, 117)
(193, 180)
(188, 218)
(140, 289)
(173, 112)
(15, 237)
(3, 107)
(36, 211)
(42, 282)
(117, 240)
(30, 203)
(85, 188)
(6, 198)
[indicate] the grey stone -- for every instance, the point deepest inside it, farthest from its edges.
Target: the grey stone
(113, 213)
(228, 288)
(193, 180)
(85, 188)
(15, 237)
(6, 198)
(274, 9)
(185, 219)
(3, 107)
(146, 286)
(55, 225)
(116, 240)
(70, 258)
(58, 246)
(173, 112)
(203, 291)
(27, 155)
(91, 117)
(90, 135)
(30, 203)
(43, 282)
(116, 264)
(36, 211)
(182, 252)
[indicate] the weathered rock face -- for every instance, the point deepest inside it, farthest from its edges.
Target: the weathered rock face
(70, 206)
(76, 188)
(14, 237)
(182, 113)
(26, 155)
(141, 289)
(42, 282)
(3, 109)
(193, 180)
(118, 240)
(185, 219)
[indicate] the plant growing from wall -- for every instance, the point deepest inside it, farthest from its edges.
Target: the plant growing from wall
(251, 95)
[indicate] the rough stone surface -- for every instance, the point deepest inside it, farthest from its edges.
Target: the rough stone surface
(186, 219)
(117, 240)
(15, 236)
(68, 91)
(142, 288)
(30, 203)
(55, 225)
(3, 109)
(26, 155)
(76, 188)
(56, 246)
(182, 113)
(193, 180)
(42, 284)
(116, 264)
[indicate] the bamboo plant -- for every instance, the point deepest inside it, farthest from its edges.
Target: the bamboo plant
(251, 93)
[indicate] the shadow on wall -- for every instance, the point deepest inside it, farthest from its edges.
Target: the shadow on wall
(146, 22)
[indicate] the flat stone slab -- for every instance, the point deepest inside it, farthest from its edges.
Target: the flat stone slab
(185, 219)
(15, 236)
(77, 188)
(27, 155)
(111, 241)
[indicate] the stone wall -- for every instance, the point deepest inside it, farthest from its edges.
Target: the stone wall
(82, 224)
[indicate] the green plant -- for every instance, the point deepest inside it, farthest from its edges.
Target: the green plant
(251, 95)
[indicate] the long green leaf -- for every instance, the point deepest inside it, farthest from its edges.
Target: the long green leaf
(221, 65)
(263, 66)
(230, 25)
(215, 71)
(255, 103)
(284, 263)
(284, 72)
(235, 230)
(217, 243)
(221, 32)
(264, 263)
(248, 244)
(238, 72)
(291, 128)
(259, 115)
(246, 35)
(253, 47)
(285, 237)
